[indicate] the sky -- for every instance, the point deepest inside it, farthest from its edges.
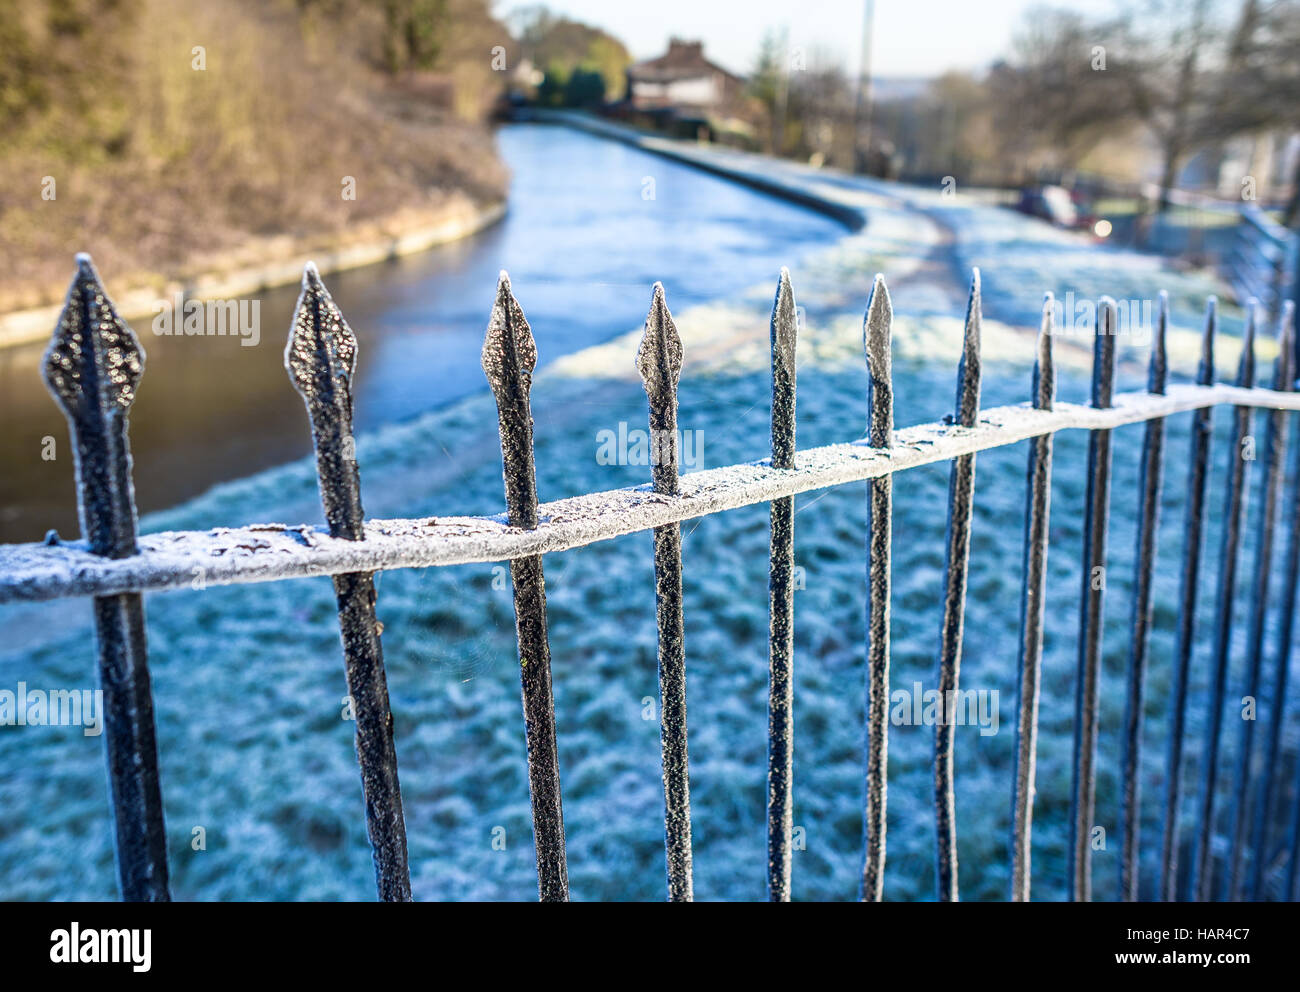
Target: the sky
(912, 37)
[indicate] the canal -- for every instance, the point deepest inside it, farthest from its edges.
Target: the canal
(592, 224)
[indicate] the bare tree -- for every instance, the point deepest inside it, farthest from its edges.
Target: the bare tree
(1057, 94)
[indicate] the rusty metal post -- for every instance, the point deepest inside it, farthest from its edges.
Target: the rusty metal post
(780, 708)
(321, 359)
(876, 330)
(1032, 605)
(92, 368)
(509, 358)
(961, 495)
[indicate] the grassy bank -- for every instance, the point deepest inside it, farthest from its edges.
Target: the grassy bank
(175, 140)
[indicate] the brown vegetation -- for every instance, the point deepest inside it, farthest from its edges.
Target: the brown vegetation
(178, 134)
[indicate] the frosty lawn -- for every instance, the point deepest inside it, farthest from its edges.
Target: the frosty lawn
(249, 680)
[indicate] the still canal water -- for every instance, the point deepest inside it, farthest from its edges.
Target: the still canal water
(583, 242)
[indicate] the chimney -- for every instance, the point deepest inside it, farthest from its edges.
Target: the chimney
(683, 48)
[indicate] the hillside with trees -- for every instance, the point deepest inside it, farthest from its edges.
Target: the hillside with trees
(577, 65)
(171, 138)
(1134, 95)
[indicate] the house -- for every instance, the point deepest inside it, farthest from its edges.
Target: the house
(682, 79)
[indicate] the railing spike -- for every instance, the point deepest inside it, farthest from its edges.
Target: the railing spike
(1096, 521)
(1286, 625)
(968, 369)
(1193, 527)
(1203, 888)
(509, 357)
(961, 494)
(1272, 463)
(1045, 365)
(780, 714)
(1149, 483)
(93, 367)
(1032, 606)
(876, 333)
(659, 360)
(784, 335)
(321, 358)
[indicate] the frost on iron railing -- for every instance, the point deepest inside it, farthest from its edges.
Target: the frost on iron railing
(94, 367)
(783, 334)
(877, 330)
(321, 359)
(509, 358)
(659, 360)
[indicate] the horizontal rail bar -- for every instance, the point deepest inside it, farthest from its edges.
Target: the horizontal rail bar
(270, 552)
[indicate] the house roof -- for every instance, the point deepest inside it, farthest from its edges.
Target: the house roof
(683, 60)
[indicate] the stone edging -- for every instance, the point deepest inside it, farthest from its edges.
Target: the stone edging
(461, 219)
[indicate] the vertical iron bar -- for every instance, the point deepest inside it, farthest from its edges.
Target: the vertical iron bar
(1203, 873)
(1096, 520)
(1292, 889)
(1274, 461)
(876, 330)
(1153, 443)
(509, 357)
(961, 493)
(1194, 525)
(1037, 510)
(1274, 445)
(780, 707)
(92, 368)
(659, 360)
(321, 358)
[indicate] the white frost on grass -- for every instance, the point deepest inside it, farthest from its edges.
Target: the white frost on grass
(249, 681)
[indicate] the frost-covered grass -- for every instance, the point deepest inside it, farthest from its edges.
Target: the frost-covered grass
(249, 683)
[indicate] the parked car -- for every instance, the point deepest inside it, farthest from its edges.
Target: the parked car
(1057, 205)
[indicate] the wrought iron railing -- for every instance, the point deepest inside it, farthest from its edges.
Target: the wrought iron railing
(1262, 260)
(94, 365)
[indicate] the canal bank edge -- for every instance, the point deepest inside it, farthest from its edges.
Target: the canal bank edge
(459, 219)
(746, 168)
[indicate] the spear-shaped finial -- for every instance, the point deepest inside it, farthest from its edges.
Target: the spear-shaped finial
(1283, 373)
(1158, 368)
(1246, 365)
(1205, 368)
(321, 358)
(92, 368)
(876, 332)
(1044, 364)
(784, 332)
(968, 369)
(509, 358)
(1103, 354)
(659, 360)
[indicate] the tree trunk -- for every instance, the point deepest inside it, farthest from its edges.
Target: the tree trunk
(1169, 176)
(1291, 216)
